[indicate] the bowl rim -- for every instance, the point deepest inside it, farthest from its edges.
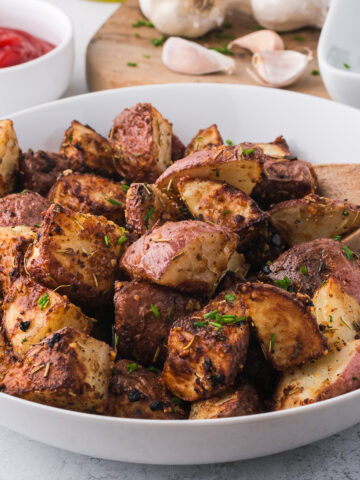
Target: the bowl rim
(67, 39)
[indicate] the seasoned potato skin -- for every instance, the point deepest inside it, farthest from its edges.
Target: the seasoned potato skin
(87, 151)
(204, 360)
(141, 141)
(26, 323)
(6, 356)
(71, 249)
(77, 377)
(39, 170)
(142, 334)
(205, 138)
(22, 209)
(190, 256)
(177, 148)
(9, 157)
(236, 402)
(89, 193)
(276, 149)
(140, 394)
(147, 206)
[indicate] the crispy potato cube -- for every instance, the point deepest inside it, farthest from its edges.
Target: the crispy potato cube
(220, 204)
(146, 206)
(177, 148)
(67, 369)
(87, 151)
(76, 249)
(284, 325)
(236, 402)
(276, 149)
(88, 193)
(339, 181)
(14, 242)
(141, 140)
(136, 392)
(305, 219)
(207, 349)
(330, 376)
(206, 138)
(22, 209)
(142, 332)
(6, 357)
(190, 256)
(32, 312)
(9, 157)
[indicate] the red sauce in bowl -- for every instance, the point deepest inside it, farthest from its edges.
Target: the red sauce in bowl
(17, 46)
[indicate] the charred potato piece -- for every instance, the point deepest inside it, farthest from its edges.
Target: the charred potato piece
(67, 369)
(276, 149)
(265, 248)
(207, 349)
(6, 357)
(284, 325)
(9, 157)
(76, 249)
(177, 148)
(136, 392)
(39, 170)
(143, 317)
(237, 402)
(14, 242)
(88, 193)
(190, 256)
(311, 217)
(32, 312)
(220, 204)
(206, 138)
(141, 140)
(339, 181)
(333, 375)
(22, 209)
(146, 206)
(87, 151)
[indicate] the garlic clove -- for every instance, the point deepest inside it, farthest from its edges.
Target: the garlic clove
(184, 56)
(258, 41)
(279, 68)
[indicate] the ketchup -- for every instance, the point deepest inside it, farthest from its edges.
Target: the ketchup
(17, 46)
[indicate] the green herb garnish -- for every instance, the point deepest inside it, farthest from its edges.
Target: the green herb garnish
(315, 72)
(225, 212)
(211, 314)
(154, 370)
(200, 324)
(122, 239)
(117, 338)
(148, 215)
(125, 187)
(230, 143)
(113, 201)
(229, 297)
(132, 64)
(303, 269)
(347, 66)
(142, 23)
(131, 367)
(145, 55)
(285, 283)
(106, 240)
(337, 238)
(44, 301)
(37, 225)
(224, 49)
(299, 38)
(272, 343)
(218, 326)
(330, 318)
(158, 42)
(250, 150)
(347, 252)
(155, 311)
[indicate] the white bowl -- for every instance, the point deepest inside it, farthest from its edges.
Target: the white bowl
(338, 45)
(47, 77)
(317, 130)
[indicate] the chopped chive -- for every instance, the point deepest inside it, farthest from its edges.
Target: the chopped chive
(106, 240)
(224, 49)
(142, 23)
(347, 252)
(23, 191)
(44, 301)
(285, 283)
(347, 66)
(158, 42)
(272, 343)
(228, 25)
(303, 269)
(37, 225)
(155, 311)
(330, 318)
(217, 173)
(148, 215)
(225, 212)
(125, 187)
(131, 367)
(113, 201)
(299, 38)
(145, 55)
(24, 340)
(337, 238)
(132, 64)
(200, 324)
(216, 325)
(117, 338)
(122, 239)
(154, 370)
(230, 143)
(315, 72)
(247, 152)
(211, 314)
(229, 297)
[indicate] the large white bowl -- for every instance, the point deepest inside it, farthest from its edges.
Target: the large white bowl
(47, 77)
(317, 130)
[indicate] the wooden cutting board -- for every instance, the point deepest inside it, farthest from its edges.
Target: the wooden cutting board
(118, 43)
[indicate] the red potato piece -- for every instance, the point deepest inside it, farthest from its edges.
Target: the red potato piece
(22, 209)
(205, 138)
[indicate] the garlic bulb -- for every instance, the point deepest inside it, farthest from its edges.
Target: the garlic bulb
(258, 41)
(184, 56)
(279, 68)
(284, 15)
(186, 18)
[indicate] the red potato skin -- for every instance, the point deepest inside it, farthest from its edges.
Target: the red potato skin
(177, 148)
(22, 209)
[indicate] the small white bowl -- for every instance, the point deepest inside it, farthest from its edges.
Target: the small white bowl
(339, 45)
(47, 77)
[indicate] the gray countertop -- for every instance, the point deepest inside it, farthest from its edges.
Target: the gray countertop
(335, 458)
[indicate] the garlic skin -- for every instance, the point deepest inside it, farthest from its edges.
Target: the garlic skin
(279, 68)
(184, 56)
(259, 41)
(285, 15)
(185, 18)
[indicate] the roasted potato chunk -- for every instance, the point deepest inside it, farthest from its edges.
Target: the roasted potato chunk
(22, 209)
(9, 157)
(207, 349)
(276, 149)
(88, 193)
(264, 248)
(136, 392)
(190, 256)
(146, 206)
(339, 181)
(67, 369)
(220, 204)
(14, 242)
(236, 402)
(6, 357)
(352, 241)
(39, 170)
(206, 138)
(141, 140)
(177, 148)
(311, 217)
(330, 376)
(76, 249)
(87, 151)
(284, 325)
(32, 312)
(142, 332)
